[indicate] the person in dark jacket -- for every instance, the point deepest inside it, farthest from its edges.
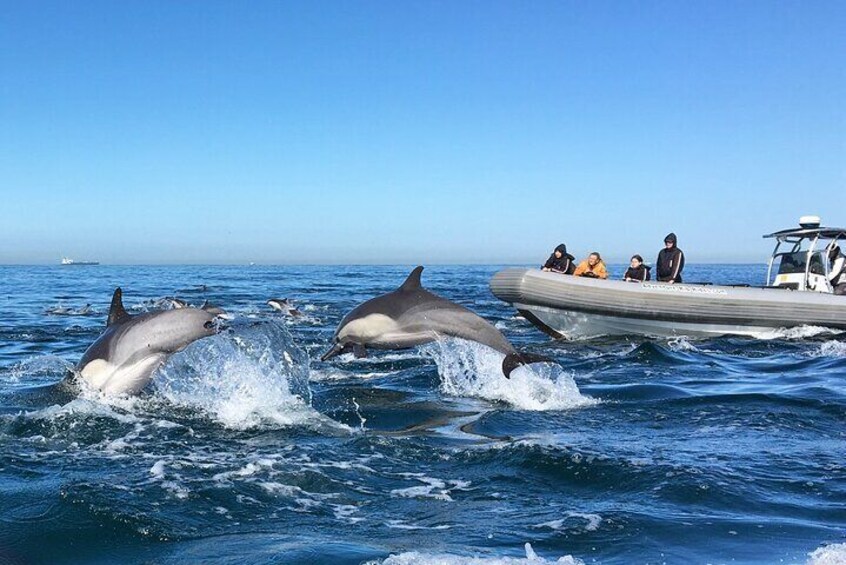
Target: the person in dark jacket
(560, 261)
(837, 275)
(637, 271)
(670, 261)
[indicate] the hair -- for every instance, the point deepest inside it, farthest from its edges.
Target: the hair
(598, 256)
(638, 257)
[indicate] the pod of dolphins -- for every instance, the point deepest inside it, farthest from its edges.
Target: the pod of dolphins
(124, 357)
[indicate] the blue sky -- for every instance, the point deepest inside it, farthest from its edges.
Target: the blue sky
(415, 132)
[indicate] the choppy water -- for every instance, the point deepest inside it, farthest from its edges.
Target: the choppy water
(249, 449)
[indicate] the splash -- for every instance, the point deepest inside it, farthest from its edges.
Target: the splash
(834, 554)
(417, 558)
(252, 375)
(469, 369)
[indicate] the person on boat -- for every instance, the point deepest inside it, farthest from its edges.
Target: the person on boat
(592, 267)
(637, 271)
(670, 261)
(838, 270)
(560, 261)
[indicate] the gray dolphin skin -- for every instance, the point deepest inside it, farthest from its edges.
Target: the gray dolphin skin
(122, 360)
(411, 316)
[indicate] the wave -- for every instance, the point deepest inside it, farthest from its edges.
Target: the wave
(418, 558)
(469, 369)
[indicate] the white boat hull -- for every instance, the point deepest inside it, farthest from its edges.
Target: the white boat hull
(570, 325)
(567, 306)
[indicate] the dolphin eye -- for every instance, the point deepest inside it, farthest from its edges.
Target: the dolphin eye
(208, 325)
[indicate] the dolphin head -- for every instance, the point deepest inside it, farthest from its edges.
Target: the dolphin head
(351, 335)
(339, 348)
(171, 331)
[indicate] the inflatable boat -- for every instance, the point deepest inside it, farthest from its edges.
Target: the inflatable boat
(798, 292)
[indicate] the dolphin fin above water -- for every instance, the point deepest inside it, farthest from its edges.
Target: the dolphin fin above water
(412, 282)
(117, 313)
(411, 316)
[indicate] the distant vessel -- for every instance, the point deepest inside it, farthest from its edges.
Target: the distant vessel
(67, 261)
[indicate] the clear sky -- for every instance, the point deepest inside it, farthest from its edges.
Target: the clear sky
(415, 132)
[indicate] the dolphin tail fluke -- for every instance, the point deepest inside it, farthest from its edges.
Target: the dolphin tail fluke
(514, 360)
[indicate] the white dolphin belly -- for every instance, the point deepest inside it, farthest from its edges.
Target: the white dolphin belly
(126, 378)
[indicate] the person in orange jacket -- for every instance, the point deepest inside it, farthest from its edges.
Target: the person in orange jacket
(592, 267)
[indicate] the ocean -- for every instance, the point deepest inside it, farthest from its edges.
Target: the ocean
(246, 448)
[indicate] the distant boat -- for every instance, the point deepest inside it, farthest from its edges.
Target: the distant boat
(67, 261)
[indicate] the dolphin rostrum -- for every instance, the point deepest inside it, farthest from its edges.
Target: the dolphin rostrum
(122, 360)
(411, 316)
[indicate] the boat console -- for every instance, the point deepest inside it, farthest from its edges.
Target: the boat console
(800, 260)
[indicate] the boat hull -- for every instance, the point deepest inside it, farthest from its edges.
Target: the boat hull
(566, 306)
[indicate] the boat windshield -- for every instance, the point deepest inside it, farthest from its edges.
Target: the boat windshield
(792, 263)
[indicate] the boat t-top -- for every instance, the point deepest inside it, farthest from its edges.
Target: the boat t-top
(798, 292)
(803, 256)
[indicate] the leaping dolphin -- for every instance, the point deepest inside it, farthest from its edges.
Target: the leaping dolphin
(284, 305)
(411, 316)
(122, 360)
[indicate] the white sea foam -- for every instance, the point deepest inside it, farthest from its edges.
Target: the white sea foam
(472, 370)
(681, 344)
(797, 333)
(30, 371)
(333, 374)
(378, 357)
(418, 558)
(591, 524)
(431, 488)
(253, 376)
(831, 349)
(400, 525)
(834, 554)
(81, 407)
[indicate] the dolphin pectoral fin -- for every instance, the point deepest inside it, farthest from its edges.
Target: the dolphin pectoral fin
(117, 313)
(514, 360)
(359, 351)
(334, 351)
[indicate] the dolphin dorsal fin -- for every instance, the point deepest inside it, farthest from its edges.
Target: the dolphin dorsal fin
(117, 313)
(413, 280)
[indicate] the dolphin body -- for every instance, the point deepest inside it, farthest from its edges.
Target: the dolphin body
(284, 305)
(411, 316)
(122, 360)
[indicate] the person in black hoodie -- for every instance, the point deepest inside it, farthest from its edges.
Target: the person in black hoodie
(560, 261)
(670, 261)
(637, 272)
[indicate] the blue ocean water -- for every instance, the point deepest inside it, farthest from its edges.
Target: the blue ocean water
(248, 449)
